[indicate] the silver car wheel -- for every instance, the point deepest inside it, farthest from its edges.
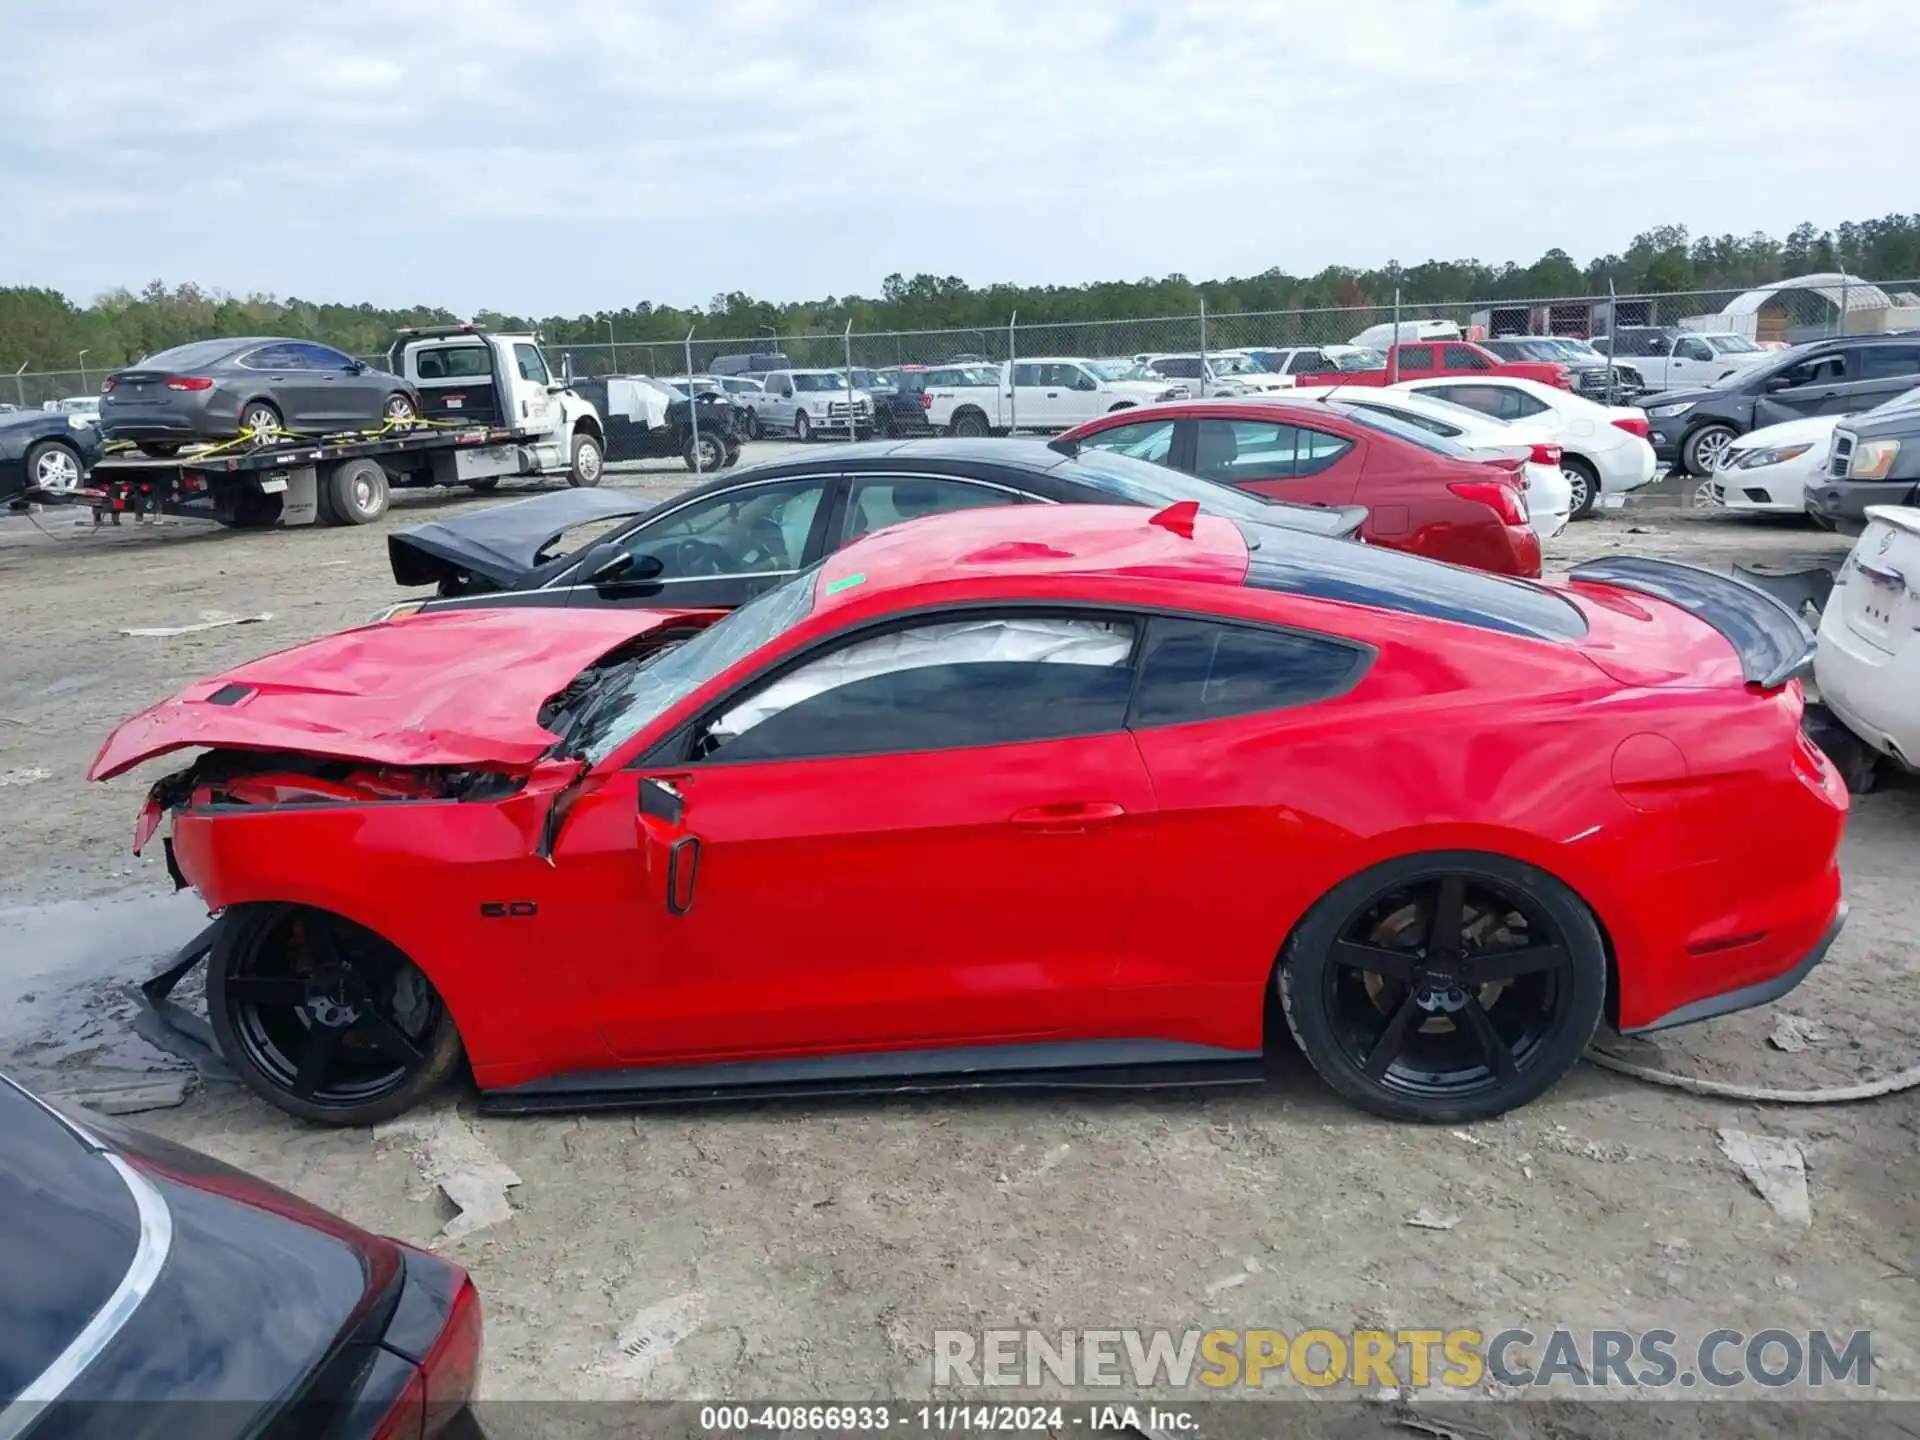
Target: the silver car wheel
(56, 469)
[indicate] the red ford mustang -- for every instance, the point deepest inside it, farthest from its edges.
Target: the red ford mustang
(1424, 494)
(1035, 796)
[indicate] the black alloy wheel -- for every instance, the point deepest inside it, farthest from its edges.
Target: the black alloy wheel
(325, 1018)
(1447, 987)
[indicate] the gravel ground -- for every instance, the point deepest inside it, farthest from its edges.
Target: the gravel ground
(812, 1250)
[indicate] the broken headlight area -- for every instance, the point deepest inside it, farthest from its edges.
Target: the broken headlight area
(248, 779)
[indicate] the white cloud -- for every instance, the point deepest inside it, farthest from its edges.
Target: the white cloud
(566, 155)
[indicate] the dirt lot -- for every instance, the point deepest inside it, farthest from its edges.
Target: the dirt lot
(813, 1250)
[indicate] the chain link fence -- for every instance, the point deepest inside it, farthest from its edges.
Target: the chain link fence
(1786, 317)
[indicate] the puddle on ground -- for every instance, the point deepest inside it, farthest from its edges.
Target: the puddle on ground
(67, 972)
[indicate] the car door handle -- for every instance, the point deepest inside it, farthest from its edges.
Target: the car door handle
(1067, 818)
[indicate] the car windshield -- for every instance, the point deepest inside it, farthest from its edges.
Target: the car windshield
(1731, 345)
(1357, 358)
(1899, 404)
(634, 697)
(818, 380)
(1235, 365)
(1141, 482)
(1578, 349)
(188, 357)
(1413, 434)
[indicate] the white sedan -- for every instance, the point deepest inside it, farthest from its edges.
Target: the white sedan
(1604, 448)
(1766, 471)
(1549, 496)
(1867, 664)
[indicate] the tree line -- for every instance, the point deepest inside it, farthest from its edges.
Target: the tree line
(48, 331)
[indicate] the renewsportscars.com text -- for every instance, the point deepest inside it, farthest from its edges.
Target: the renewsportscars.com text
(1372, 1359)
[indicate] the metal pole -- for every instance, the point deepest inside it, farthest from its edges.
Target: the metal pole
(1613, 326)
(19, 385)
(613, 347)
(1013, 354)
(847, 341)
(693, 405)
(1203, 347)
(1393, 350)
(84, 385)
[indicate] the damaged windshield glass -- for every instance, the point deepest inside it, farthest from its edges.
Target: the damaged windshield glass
(630, 697)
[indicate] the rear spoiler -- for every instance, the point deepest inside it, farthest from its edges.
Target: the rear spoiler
(1773, 643)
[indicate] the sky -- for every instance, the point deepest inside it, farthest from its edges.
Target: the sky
(558, 157)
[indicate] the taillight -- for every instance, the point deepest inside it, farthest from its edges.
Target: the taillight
(189, 382)
(1563, 377)
(926, 399)
(1497, 495)
(1545, 455)
(106, 386)
(1634, 426)
(452, 1366)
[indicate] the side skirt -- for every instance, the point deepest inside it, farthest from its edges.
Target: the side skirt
(1077, 1065)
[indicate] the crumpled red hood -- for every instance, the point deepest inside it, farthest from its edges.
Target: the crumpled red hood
(457, 687)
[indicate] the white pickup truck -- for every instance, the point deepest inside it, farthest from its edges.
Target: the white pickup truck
(1049, 393)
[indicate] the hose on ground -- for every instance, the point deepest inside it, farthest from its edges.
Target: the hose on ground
(1836, 1095)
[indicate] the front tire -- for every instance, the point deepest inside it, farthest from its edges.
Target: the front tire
(1445, 987)
(1584, 483)
(589, 462)
(751, 426)
(802, 427)
(705, 452)
(1704, 447)
(324, 1018)
(51, 465)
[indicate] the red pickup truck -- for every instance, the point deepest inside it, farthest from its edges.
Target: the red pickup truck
(1445, 357)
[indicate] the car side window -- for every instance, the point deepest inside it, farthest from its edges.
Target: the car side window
(1688, 348)
(1143, 440)
(1463, 357)
(1176, 367)
(1072, 377)
(944, 685)
(276, 357)
(1487, 399)
(1206, 670)
(1884, 362)
(1408, 417)
(1237, 452)
(755, 529)
(1029, 375)
(1416, 357)
(528, 360)
(323, 357)
(895, 500)
(1311, 362)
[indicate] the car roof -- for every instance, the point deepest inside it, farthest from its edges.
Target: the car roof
(1106, 541)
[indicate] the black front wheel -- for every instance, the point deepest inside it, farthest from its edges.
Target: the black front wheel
(1445, 987)
(325, 1018)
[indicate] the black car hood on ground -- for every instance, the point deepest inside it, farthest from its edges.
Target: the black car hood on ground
(162, 1287)
(501, 544)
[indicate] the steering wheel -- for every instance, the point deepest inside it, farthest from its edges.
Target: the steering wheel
(697, 557)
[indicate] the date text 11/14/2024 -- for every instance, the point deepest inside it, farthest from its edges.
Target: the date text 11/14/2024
(954, 1419)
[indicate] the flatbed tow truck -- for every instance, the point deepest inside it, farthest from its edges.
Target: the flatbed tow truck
(490, 410)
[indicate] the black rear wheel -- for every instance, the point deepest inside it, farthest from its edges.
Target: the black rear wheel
(1445, 987)
(325, 1018)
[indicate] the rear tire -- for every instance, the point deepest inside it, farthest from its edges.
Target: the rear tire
(358, 492)
(589, 462)
(277, 970)
(969, 425)
(1392, 991)
(54, 465)
(263, 420)
(1584, 481)
(399, 409)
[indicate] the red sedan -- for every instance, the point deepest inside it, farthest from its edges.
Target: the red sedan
(1423, 493)
(1035, 795)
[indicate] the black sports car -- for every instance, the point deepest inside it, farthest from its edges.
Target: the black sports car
(649, 419)
(45, 450)
(725, 542)
(146, 1290)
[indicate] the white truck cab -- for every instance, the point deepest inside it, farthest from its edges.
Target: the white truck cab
(1048, 393)
(469, 376)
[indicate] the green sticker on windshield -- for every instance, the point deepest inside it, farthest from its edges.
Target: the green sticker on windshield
(846, 582)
